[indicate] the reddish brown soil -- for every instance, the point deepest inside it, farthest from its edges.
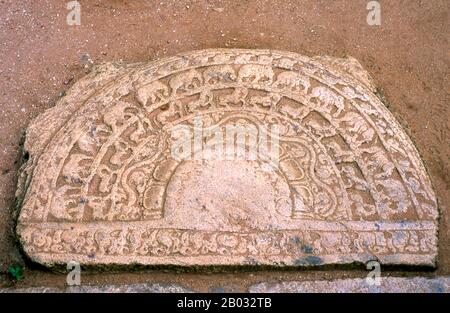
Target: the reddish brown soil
(41, 56)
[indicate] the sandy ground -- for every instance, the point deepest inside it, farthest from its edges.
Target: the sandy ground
(41, 56)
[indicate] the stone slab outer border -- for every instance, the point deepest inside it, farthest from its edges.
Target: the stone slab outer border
(101, 186)
(355, 285)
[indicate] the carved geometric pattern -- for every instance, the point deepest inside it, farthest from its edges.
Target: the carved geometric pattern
(101, 187)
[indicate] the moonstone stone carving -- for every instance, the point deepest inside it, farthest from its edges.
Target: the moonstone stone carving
(101, 185)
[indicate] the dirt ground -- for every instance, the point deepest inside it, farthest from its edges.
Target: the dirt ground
(41, 56)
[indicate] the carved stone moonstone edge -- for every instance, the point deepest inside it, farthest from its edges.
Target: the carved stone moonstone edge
(101, 186)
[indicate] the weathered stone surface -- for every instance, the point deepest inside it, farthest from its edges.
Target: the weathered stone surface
(103, 186)
(356, 285)
(359, 285)
(131, 288)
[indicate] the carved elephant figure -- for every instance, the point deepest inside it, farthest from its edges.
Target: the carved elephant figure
(324, 100)
(219, 74)
(319, 129)
(252, 73)
(358, 130)
(186, 81)
(293, 80)
(152, 93)
(266, 101)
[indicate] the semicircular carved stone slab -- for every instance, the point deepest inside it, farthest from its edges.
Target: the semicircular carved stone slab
(101, 185)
